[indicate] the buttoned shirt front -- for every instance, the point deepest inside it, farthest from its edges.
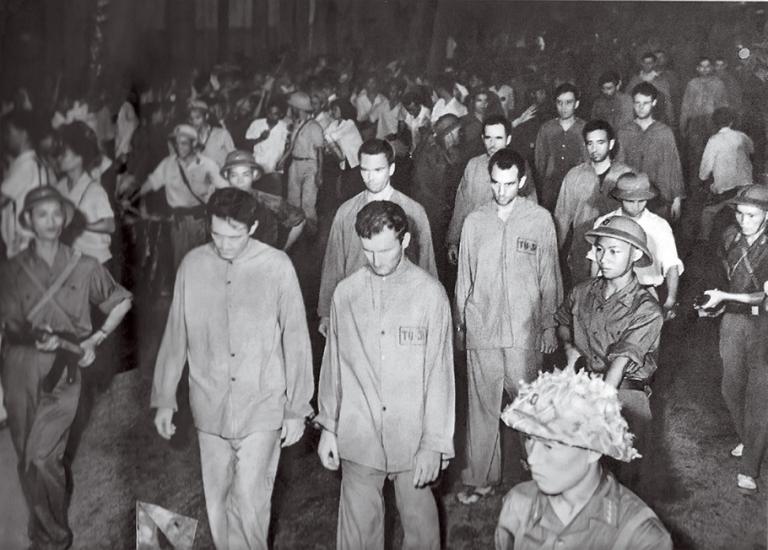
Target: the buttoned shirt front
(508, 284)
(556, 152)
(703, 95)
(89, 284)
(583, 197)
(528, 521)
(661, 243)
(726, 159)
(344, 252)
(386, 385)
(627, 324)
(617, 110)
(241, 326)
(653, 151)
(202, 174)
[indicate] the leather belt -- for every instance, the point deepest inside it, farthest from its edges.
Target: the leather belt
(302, 158)
(743, 309)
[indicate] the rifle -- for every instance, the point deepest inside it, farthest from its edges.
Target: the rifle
(67, 355)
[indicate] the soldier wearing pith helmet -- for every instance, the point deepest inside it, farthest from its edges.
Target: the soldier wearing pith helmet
(743, 255)
(614, 323)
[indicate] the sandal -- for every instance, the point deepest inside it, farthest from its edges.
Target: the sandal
(473, 495)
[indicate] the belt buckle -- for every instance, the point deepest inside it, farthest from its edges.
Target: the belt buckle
(755, 310)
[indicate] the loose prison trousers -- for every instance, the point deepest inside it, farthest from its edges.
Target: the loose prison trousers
(39, 423)
(302, 187)
(187, 232)
(490, 372)
(745, 384)
(238, 477)
(361, 510)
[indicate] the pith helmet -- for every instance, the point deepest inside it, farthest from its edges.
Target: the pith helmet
(624, 229)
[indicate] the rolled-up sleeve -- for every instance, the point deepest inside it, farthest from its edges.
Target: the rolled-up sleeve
(104, 292)
(639, 338)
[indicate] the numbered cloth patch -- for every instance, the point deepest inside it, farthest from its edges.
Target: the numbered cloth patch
(526, 246)
(412, 336)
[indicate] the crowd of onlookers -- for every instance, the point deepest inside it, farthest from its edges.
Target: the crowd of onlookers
(556, 210)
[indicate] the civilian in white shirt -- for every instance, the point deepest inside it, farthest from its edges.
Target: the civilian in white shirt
(726, 160)
(269, 137)
(417, 118)
(80, 162)
(25, 172)
(388, 114)
(446, 102)
(215, 142)
(343, 141)
(634, 191)
(368, 98)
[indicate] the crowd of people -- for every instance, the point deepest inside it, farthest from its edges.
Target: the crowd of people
(530, 227)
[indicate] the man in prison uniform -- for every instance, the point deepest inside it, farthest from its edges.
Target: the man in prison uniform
(237, 317)
(507, 292)
(344, 253)
(386, 392)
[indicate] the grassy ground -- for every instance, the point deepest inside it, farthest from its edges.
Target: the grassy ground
(689, 480)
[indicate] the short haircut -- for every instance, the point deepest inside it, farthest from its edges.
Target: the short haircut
(704, 58)
(609, 76)
(235, 204)
(79, 138)
(723, 116)
(598, 124)
(25, 121)
(648, 55)
(564, 88)
(347, 109)
(646, 89)
(494, 120)
(280, 104)
(507, 158)
(379, 215)
(377, 147)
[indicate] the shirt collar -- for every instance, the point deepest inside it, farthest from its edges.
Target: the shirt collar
(603, 506)
(625, 296)
(385, 195)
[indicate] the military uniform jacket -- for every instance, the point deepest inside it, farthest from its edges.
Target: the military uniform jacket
(613, 519)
